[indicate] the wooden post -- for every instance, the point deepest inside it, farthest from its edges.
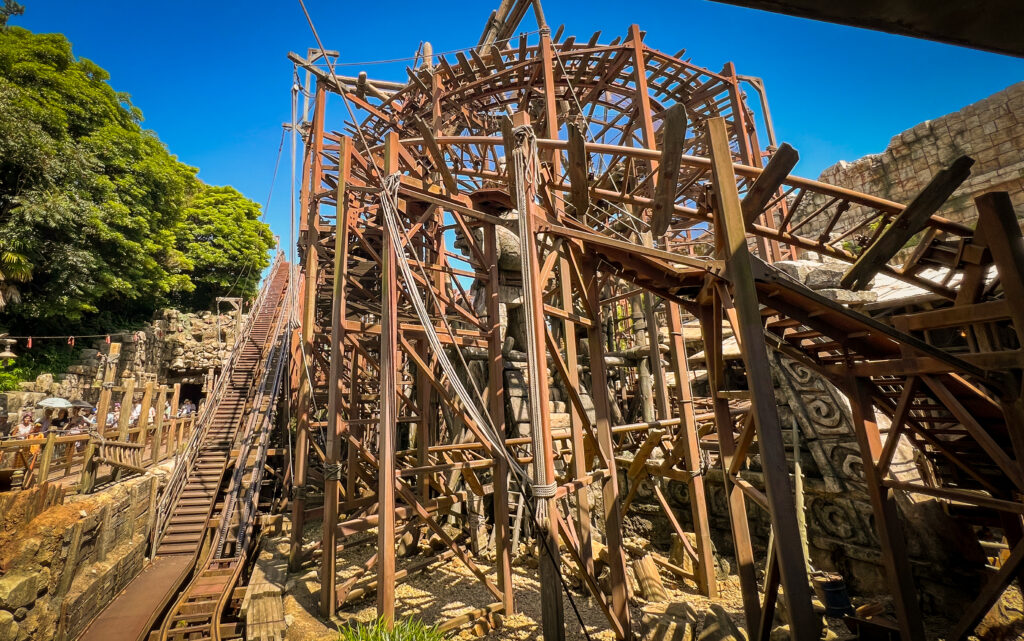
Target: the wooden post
(174, 433)
(124, 422)
(536, 364)
(88, 479)
(729, 226)
(310, 269)
(496, 406)
(388, 410)
(711, 328)
(336, 425)
(883, 504)
(686, 439)
(610, 482)
(144, 407)
(158, 425)
(579, 450)
(44, 469)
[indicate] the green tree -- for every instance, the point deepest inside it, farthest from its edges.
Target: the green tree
(227, 244)
(89, 200)
(98, 221)
(9, 8)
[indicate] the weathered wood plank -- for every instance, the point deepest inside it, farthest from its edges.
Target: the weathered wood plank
(912, 220)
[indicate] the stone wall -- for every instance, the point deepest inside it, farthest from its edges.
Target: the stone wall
(991, 131)
(945, 557)
(176, 347)
(61, 567)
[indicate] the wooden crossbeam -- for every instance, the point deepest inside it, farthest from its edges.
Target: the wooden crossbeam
(910, 221)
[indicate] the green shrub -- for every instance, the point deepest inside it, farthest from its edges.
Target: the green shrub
(404, 630)
(53, 359)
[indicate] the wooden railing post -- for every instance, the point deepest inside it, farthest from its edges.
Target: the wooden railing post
(123, 425)
(88, 467)
(158, 425)
(44, 469)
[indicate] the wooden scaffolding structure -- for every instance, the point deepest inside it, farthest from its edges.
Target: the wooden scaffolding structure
(597, 184)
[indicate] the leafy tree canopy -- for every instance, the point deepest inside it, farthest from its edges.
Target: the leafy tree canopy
(95, 213)
(224, 239)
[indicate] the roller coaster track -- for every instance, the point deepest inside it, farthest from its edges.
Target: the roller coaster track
(208, 509)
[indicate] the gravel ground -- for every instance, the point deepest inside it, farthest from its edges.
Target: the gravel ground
(448, 589)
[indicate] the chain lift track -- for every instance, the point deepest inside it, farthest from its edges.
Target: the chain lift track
(238, 417)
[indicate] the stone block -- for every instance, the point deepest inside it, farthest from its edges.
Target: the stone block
(847, 297)
(824, 276)
(8, 626)
(17, 589)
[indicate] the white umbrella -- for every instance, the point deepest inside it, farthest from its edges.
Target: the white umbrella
(54, 402)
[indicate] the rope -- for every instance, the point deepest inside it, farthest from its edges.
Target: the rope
(545, 491)
(332, 471)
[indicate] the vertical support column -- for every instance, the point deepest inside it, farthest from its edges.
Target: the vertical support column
(883, 504)
(144, 407)
(336, 425)
(749, 154)
(579, 457)
(356, 432)
(565, 286)
(536, 364)
(730, 228)
(496, 406)
(686, 438)
(605, 443)
(388, 410)
(173, 436)
(310, 268)
(711, 327)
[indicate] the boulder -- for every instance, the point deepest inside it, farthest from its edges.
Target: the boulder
(824, 276)
(847, 297)
(719, 627)
(798, 270)
(8, 626)
(17, 589)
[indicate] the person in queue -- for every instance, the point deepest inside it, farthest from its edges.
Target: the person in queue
(25, 428)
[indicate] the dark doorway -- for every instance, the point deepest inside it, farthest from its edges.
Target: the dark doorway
(191, 391)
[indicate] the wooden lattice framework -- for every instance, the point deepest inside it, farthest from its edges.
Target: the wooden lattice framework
(637, 178)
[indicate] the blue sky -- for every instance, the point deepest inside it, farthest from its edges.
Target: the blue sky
(213, 81)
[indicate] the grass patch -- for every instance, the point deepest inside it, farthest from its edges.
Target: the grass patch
(404, 630)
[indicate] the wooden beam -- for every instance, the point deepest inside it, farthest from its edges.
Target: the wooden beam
(437, 156)
(910, 221)
(674, 134)
(767, 184)
(579, 174)
(730, 226)
(886, 519)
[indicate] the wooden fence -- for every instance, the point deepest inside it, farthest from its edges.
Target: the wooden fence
(84, 459)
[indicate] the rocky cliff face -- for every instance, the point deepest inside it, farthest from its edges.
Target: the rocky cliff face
(176, 347)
